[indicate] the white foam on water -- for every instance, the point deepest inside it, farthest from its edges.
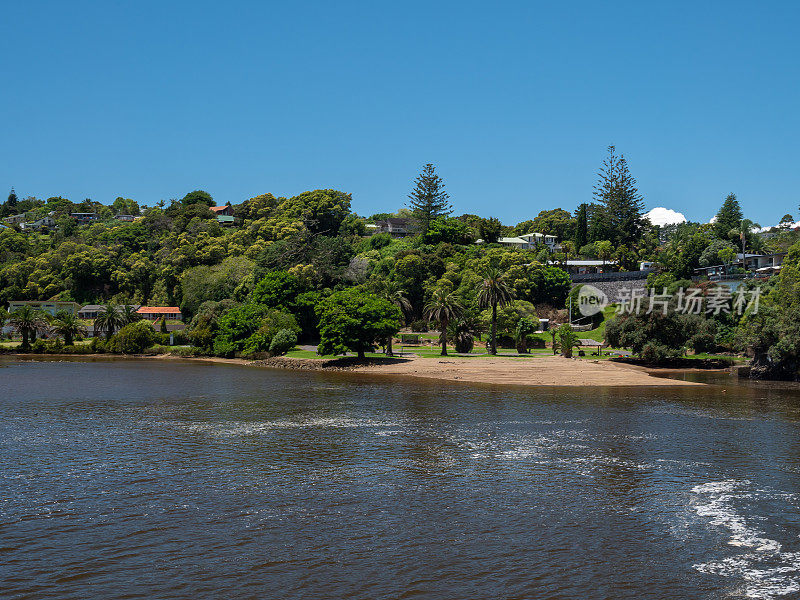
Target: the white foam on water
(765, 570)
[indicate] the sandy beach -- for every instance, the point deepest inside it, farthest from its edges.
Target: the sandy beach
(535, 371)
(539, 371)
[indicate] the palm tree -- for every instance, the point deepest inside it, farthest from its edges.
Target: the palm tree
(463, 332)
(28, 321)
(108, 320)
(741, 232)
(389, 290)
(68, 326)
(443, 308)
(494, 292)
(128, 314)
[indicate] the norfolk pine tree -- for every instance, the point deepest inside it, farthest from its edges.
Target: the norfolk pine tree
(428, 198)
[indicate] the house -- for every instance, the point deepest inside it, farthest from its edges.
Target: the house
(15, 219)
(225, 220)
(49, 306)
(126, 218)
(84, 218)
(90, 311)
(226, 210)
(529, 241)
(47, 221)
(585, 267)
(397, 227)
(765, 264)
(152, 313)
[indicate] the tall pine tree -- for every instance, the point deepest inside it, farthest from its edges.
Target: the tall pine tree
(581, 228)
(728, 218)
(428, 198)
(12, 199)
(617, 213)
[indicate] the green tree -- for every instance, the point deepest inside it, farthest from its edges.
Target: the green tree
(198, 197)
(728, 218)
(448, 230)
(28, 321)
(389, 290)
(128, 315)
(618, 213)
(125, 206)
(581, 227)
(428, 200)
(108, 320)
(525, 328)
(133, 338)
(356, 321)
(68, 326)
(443, 308)
(491, 230)
(557, 222)
(605, 250)
(283, 341)
(567, 339)
(321, 211)
(278, 289)
(494, 292)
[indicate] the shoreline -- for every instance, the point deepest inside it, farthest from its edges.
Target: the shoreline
(543, 371)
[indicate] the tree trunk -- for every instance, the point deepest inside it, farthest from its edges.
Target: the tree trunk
(389, 347)
(443, 338)
(25, 344)
(493, 349)
(361, 354)
(67, 339)
(33, 335)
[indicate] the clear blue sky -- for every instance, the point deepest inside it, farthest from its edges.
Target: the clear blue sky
(515, 102)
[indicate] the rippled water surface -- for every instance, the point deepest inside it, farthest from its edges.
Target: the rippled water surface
(143, 479)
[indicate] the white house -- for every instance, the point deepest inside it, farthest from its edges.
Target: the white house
(529, 241)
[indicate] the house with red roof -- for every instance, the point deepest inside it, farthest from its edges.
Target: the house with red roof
(226, 210)
(153, 313)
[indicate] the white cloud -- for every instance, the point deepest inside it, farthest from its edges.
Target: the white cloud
(665, 216)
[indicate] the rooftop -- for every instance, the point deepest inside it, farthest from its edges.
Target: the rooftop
(158, 309)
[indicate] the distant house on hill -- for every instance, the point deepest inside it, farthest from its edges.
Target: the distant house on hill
(529, 241)
(51, 307)
(153, 313)
(584, 267)
(224, 214)
(84, 218)
(226, 210)
(47, 221)
(15, 219)
(396, 226)
(126, 218)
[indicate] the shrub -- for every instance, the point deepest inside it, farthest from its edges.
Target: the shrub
(39, 347)
(420, 326)
(133, 338)
(283, 341)
(380, 240)
(97, 345)
(463, 342)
